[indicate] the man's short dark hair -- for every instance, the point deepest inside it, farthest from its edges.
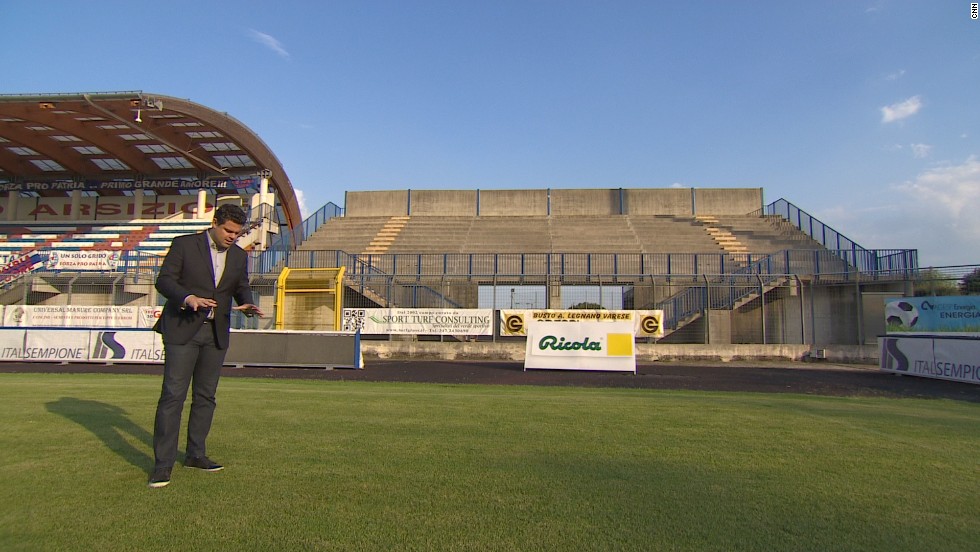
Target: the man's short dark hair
(230, 211)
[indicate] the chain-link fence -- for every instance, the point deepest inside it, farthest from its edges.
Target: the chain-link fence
(698, 308)
(947, 280)
(759, 309)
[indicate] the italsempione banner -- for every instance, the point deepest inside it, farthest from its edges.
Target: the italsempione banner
(948, 358)
(71, 345)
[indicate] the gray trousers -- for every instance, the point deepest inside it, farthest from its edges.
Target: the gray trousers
(199, 360)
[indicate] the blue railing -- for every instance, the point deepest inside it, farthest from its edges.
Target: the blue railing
(847, 264)
(278, 250)
(695, 299)
(860, 258)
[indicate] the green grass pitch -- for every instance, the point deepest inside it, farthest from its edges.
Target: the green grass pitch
(316, 465)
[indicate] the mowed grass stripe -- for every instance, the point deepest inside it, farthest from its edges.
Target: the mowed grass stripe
(383, 466)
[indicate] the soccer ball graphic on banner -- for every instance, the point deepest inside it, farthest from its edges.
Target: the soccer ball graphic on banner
(901, 315)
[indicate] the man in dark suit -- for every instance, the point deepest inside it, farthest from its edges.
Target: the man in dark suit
(200, 276)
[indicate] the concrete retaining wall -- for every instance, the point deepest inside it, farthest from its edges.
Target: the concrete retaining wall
(667, 201)
(513, 203)
(562, 202)
(376, 204)
(454, 203)
(727, 201)
(585, 202)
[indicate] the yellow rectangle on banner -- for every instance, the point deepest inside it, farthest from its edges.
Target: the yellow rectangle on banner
(620, 344)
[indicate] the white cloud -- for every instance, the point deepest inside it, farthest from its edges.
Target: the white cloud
(269, 42)
(301, 199)
(952, 192)
(920, 151)
(901, 110)
(935, 212)
(896, 75)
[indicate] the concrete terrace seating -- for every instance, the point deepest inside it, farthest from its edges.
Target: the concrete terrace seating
(349, 234)
(524, 234)
(431, 236)
(157, 240)
(766, 234)
(508, 235)
(672, 234)
(589, 234)
(151, 237)
(17, 238)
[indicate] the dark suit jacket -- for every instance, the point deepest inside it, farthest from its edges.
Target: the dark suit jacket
(187, 270)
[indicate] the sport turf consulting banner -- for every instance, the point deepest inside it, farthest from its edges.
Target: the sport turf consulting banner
(419, 321)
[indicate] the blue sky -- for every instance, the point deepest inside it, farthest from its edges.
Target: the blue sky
(864, 113)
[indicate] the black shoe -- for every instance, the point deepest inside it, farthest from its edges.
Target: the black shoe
(203, 463)
(159, 478)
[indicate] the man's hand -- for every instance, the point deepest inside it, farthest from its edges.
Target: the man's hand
(195, 303)
(250, 310)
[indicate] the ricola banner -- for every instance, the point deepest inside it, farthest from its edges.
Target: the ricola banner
(595, 344)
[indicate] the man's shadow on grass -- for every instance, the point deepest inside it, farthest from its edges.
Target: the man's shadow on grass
(109, 423)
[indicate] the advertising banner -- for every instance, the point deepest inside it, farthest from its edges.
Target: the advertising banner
(69, 316)
(11, 344)
(55, 345)
(419, 321)
(955, 315)
(82, 260)
(126, 346)
(148, 316)
(159, 184)
(81, 345)
(605, 345)
(646, 323)
(949, 358)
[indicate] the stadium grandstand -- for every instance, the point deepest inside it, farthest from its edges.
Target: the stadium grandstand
(97, 185)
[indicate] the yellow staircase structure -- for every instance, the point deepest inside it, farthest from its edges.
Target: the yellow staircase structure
(725, 239)
(386, 236)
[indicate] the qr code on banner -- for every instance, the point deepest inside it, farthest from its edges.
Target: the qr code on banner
(353, 320)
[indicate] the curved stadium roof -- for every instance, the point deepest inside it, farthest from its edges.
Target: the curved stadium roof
(133, 136)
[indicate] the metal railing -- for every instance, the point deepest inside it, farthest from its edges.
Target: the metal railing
(755, 306)
(862, 259)
(283, 243)
(883, 263)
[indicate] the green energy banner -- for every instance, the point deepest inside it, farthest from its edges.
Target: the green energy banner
(954, 315)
